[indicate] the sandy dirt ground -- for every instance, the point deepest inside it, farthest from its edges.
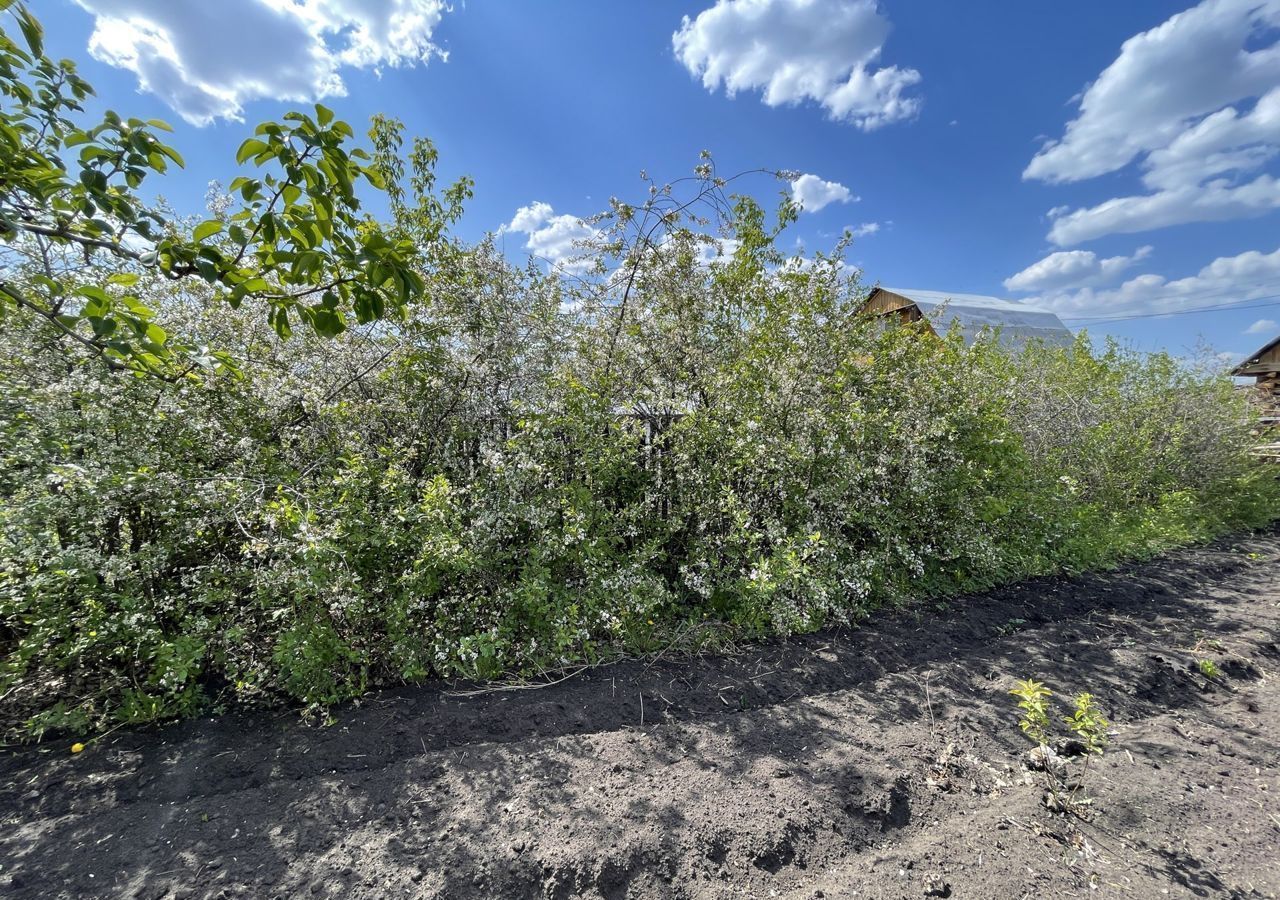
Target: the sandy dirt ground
(881, 762)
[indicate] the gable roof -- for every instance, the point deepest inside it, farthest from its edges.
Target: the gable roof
(974, 314)
(1254, 365)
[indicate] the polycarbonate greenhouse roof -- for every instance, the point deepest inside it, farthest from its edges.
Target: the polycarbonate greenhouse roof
(976, 314)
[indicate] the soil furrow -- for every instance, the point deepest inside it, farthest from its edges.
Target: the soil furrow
(878, 762)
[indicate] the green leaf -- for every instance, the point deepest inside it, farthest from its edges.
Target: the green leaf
(208, 271)
(280, 322)
(102, 327)
(327, 322)
(251, 147)
(172, 154)
(32, 31)
(324, 115)
(91, 154)
(206, 230)
(94, 293)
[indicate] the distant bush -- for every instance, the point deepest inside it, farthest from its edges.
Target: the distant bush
(682, 435)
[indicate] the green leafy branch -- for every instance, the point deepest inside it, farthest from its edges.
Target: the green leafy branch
(299, 243)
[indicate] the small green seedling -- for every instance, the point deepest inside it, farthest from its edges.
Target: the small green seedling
(1090, 729)
(1010, 627)
(1208, 668)
(1202, 641)
(1086, 723)
(1033, 701)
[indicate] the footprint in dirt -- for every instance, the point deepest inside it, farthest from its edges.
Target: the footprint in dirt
(893, 808)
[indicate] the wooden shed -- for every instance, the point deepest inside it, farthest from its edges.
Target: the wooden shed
(1014, 323)
(1264, 368)
(1264, 365)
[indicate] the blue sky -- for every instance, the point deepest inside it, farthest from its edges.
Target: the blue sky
(1100, 159)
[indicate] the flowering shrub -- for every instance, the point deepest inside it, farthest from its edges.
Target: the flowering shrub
(515, 471)
(487, 490)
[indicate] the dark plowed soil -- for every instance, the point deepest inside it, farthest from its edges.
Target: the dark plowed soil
(876, 763)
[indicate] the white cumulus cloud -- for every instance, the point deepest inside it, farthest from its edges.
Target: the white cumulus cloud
(1228, 279)
(792, 51)
(1196, 101)
(206, 60)
(1262, 326)
(1216, 201)
(812, 193)
(1072, 268)
(555, 238)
